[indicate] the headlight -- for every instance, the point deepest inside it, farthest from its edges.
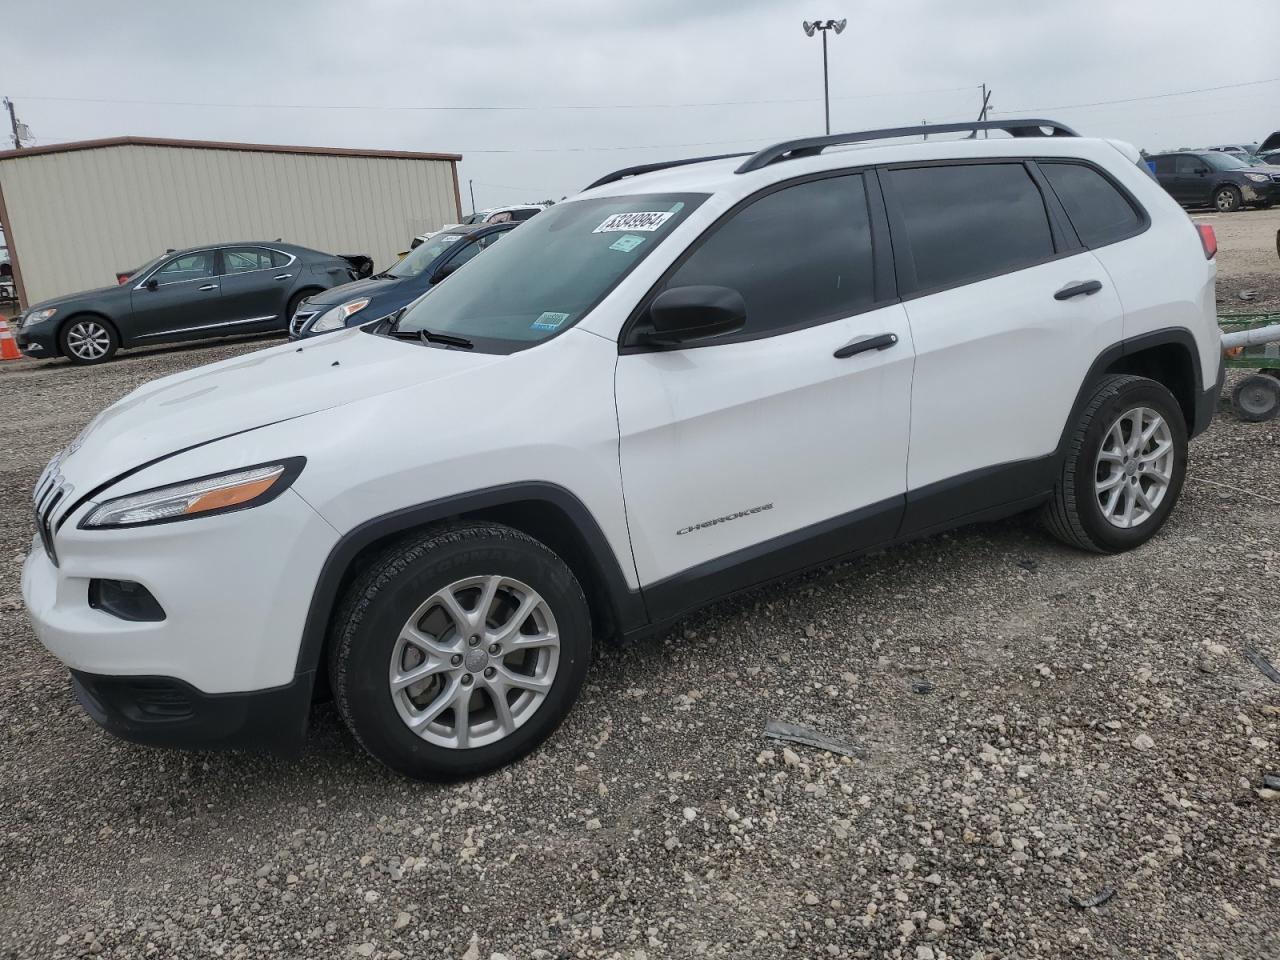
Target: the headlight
(1258, 177)
(38, 316)
(337, 317)
(220, 493)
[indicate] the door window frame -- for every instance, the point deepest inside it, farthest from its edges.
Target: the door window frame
(217, 264)
(222, 261)
(883, 279)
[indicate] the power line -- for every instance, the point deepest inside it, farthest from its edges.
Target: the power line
(1154, 96)
(484, 107)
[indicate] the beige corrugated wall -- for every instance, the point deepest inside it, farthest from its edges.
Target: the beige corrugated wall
(76, 218)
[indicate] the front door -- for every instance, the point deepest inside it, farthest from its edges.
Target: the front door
(183, 293)
(256, 283)
(1191, 181)
(756, 453)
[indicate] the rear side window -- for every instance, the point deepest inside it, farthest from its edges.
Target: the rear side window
(799, 255)
(1100, 213)
(966, 222)
(1164, 164)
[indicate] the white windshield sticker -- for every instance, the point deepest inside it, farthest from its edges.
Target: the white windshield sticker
(549, 321)
(451, 238)
(632, 222)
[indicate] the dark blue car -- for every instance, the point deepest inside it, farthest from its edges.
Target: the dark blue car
(385, 293)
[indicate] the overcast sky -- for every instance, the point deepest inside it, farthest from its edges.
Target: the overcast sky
(600, 85)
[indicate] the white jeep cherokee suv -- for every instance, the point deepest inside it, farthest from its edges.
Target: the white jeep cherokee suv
(691, 379)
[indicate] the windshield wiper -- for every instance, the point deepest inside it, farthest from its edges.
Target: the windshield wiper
(426, 336)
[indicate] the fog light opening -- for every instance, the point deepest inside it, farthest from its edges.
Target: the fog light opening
(125, 599)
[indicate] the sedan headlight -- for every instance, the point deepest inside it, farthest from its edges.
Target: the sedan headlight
(1258, 177)
(220, 493)
(38, 316)
(337, 317)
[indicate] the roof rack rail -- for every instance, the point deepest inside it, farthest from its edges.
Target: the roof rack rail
(812, 146)
(651, 167)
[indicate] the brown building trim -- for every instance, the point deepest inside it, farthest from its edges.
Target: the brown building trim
(13, 252)
(457, 198)
(76, 145)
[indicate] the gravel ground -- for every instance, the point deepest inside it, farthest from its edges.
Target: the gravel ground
(1036, 724)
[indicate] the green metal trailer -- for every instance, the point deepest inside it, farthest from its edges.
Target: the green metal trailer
(1252, 342)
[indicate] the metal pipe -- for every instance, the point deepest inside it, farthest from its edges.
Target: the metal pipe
(1251, 338)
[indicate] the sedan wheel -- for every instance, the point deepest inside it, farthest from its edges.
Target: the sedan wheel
(88, 341)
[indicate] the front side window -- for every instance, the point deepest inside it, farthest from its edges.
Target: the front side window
(245, 259)
(550, 272)
(190, 266)
(798, 256)
(1189, 163)
(965, 222)
(1100, 213)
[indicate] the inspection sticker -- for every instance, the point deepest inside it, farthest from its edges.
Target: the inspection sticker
(626, 243)
(549, 321)
(623, 222)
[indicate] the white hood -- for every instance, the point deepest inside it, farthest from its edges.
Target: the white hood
(243, 393)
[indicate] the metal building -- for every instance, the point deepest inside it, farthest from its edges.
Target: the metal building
(74, 214)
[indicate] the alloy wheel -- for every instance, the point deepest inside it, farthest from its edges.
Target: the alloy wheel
(1134, 467)
(474, 662)
(88, 340)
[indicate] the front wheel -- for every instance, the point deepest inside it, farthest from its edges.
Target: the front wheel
(1124, 468)
(460, 650)
(86, 340)
(1228, 199)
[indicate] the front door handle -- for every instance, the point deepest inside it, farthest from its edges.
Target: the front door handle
(882, 342)
(282, 276)
(1076, 289)
(208, 286)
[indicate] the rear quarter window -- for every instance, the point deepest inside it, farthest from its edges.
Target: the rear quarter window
(1097, 209)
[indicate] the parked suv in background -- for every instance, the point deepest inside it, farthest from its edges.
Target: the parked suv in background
(1207, 178)
(691, 379)
(211, 291)
(384, 293)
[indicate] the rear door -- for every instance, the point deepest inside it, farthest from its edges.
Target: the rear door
(182, 294)
(256, 284)
(750, 454)
(1008, 313)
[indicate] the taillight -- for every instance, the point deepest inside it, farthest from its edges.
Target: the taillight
(1208, 240)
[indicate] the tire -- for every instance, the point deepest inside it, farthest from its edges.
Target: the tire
(400, 593)
(87, 340)
(1256, 398)
(1227, 199)
(1097, 454)
(294, 301)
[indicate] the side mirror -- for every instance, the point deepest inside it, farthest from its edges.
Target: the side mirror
(151, 284)
(694, 313)
(447, 270)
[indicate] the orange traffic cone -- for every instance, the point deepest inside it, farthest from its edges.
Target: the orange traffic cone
(8, 346)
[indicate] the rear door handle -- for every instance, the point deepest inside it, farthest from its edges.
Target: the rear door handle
(282, 276)
(1076, 289)
(208, 286)
(882, 342)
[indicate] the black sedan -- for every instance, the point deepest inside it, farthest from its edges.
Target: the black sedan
(1211, 178)
(383, 294)
(202, 292)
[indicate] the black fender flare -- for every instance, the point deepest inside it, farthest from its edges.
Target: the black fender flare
(627, 605)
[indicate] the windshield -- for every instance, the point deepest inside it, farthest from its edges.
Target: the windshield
(423, 255)
(548, 274)
(1224, 161)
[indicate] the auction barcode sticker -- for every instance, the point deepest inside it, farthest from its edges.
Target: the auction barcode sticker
(633, 222)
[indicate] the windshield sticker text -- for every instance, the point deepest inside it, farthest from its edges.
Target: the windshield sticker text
(626, 222)
(549, 321)
(451, 238)
(626, 243)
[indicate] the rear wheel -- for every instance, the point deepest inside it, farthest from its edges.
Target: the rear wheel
(86, 340)
(1227, 199)
(1256, 398)
(460, 650)
(1125, 464)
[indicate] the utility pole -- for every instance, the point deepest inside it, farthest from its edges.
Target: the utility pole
(471, 187)
(825, 25)
(925, 123)
(13, 124)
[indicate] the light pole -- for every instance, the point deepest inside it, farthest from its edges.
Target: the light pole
(810, 26)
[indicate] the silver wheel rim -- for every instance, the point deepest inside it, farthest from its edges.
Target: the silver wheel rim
(88, 340)
(474, 662)
(1225, 200)
(1134, 467)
